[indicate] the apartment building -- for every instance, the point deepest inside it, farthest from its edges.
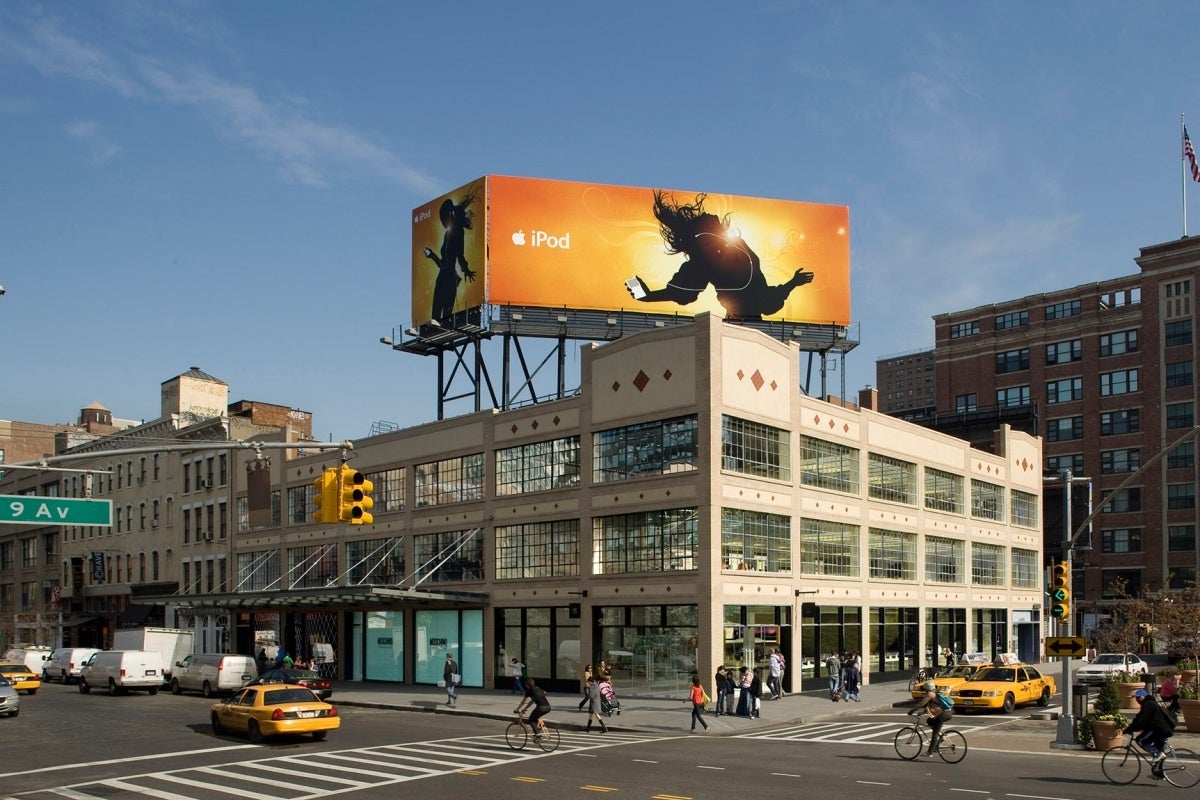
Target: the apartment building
(906, 384)
(1110, 367)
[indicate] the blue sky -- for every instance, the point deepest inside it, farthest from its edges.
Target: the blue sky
(228, 184)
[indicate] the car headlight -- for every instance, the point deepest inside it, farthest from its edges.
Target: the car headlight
(991, 693)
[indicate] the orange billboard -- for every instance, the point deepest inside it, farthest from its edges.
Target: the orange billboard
(561, 244)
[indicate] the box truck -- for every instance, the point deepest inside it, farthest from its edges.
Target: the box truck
(173, 644)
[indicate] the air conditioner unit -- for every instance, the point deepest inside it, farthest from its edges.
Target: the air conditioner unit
(153, 523)
(141, 480)
(205, 484)
(205, 535)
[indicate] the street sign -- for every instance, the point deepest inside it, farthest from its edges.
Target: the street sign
(28, 509)
(1065, 646)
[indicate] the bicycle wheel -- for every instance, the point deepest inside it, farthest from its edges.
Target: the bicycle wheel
(1182, 768)
(1122, 765)
(909, 742)
(516, 735)
(953, 747)
(549, 740)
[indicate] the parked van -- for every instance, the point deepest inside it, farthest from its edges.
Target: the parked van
(32, 656)
(122, 670)
(212, 673)
(66, 663)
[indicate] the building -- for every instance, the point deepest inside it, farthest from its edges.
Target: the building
(688, 507)
(169, 484)
(906, 384)
(1110, 366)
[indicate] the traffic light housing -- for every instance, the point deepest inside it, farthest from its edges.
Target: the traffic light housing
(325, 497)
(354, 497)
(1060, 590)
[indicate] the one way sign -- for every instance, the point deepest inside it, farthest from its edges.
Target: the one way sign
(1065, 646)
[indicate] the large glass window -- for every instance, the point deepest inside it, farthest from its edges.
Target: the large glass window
(944, 559)
(450, 556)
(1023, 509)
(987, 500)
(1073, 462)
(1177, 333)
(1064, 391)
(755, 449)
(1012, 361)
(384, 646)
(652, 541)
(388, 493)
(459, 633)
(1064, 429)
(1070, 308)
(1123, 502)
(1122, 381)
(1014, 319)
(961, 329)
(829, 548)
(377, 562)
(1064, 352)
(1115, 423)
(828, 465)
(891, 479)
(1178, 374)
(1182, 457)
(538, 550)
(987, 564)
(1114, 461)
(1181, 495)
(1026, 571)
(892, 554)
(757, 541)
(649, 448)
(538, 467)
(943, 491)
(1012, 396)
(312, 567)
(451, 480)
(650, 649)
(1115, 344)
(1181, 538)
(1121, 540)
(1180, 415)
(300, 505)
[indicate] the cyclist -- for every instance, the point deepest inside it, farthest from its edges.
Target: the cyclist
(1156, 725)
(535, 696)
(937, 715)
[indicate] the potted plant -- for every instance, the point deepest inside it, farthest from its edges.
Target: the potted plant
(1189, 705)
(1126, 684)
(1187, 671)
(1104, 726)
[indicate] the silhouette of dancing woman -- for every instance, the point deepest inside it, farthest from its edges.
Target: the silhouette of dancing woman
(456, 219)
(717, 255)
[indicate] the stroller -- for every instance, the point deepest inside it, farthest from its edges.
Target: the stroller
(608, 699)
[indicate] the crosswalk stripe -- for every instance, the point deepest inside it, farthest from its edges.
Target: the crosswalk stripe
(208, 786)
(131, 787)
(321, 762)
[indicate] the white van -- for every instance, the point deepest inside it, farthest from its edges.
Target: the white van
(66, 663)
(212, 673)
(122, 670)
(32, 656)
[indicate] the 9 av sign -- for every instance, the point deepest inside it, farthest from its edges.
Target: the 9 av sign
(28, 509)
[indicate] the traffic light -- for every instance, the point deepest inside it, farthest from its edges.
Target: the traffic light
(1060, 590)
(354, 493)
(325, 497)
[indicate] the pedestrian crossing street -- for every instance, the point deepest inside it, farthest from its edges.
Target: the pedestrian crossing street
(864, 732)
(317, 774)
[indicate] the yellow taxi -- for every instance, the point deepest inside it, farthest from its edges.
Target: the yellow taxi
(1004, 687)
(22, 678)
(952, 677)
(274, 710)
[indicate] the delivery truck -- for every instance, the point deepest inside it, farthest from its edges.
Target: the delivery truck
(174, 644)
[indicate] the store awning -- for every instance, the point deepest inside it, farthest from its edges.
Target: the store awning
(84, 620)
(333, 597)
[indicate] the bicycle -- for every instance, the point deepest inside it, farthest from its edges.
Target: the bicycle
(517, 735)
(910, 743)
(1123, 765)
(920, 675)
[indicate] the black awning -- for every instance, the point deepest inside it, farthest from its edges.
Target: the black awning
(84, 620)
(134, 616)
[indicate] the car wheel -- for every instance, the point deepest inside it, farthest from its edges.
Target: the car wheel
(207, 689)
(1010, 703)
(175, 687)
(255, 732)
(218, 728)
(14, 712)
(153, 690)
(32, 692)
(83, 686)
(1044, 700)
(45, 677)
(320, 735)
(112, 688)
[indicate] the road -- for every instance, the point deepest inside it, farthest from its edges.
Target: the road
(68, 746)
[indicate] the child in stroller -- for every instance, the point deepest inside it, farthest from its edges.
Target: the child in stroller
(608, 699)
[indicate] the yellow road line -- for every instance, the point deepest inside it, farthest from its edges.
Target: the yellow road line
(670, 797)
(524, 779)
(599, 788)
(471, 772)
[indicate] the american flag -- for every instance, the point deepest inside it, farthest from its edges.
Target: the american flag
(1190, 152)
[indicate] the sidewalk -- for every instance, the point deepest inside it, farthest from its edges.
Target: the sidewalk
(637, 714)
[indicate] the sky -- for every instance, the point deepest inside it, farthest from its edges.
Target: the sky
(229, 185)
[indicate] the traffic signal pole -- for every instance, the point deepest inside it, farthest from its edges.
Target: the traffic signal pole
(1066, 720)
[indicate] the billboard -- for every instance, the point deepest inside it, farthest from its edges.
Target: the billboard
(556, 244)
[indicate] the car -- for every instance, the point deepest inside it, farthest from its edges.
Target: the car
(1004, 687)
(10, 701)
(307, 678)
(22, 678)
(952, 677)
(1098, 670)
(274, 709)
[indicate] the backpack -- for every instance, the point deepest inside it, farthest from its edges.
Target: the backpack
(945, 700)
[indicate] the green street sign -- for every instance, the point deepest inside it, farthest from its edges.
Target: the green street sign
(28, 509)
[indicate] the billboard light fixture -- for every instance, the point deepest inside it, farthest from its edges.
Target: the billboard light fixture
(517, 317)
(611, 320)
(413, 332)
(562, 317)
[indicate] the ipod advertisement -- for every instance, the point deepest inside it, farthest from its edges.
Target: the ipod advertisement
(556, 244)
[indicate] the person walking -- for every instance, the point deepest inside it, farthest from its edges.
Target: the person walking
(833, 665)
(591, 697)
(776, 672)
(782, 672)
(451, 677)
(516, 671)
(853, 678)
(697, 699)
(586, 684)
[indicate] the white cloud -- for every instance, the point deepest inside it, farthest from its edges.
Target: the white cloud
(100, 147)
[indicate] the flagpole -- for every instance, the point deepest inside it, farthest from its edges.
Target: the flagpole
(1183, 171)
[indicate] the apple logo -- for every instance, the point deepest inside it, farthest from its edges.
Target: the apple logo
(519, 238)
